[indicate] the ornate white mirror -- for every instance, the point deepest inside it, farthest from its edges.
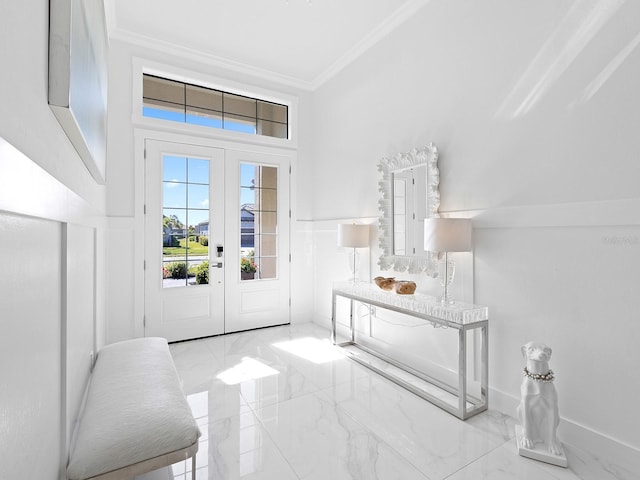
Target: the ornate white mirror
(409, 188)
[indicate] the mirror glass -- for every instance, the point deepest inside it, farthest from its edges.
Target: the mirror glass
(409, 210)
(409, 188)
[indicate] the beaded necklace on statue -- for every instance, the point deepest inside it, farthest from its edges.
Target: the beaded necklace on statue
(539, 377)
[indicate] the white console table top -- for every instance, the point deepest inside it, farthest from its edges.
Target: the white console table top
(457, 313)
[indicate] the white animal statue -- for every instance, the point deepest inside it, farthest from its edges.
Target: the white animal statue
(538, 409)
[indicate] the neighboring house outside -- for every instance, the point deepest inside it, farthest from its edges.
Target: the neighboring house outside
(247, 225)
(202, 229)
(247, 228)
(169, 235)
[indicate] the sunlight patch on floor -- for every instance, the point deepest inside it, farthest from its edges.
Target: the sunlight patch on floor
(247, 369)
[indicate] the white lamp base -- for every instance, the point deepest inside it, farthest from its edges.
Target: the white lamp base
(446, 273)
(354, 262)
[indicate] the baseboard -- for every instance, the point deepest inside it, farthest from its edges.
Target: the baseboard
(569, 432)
(572, 433)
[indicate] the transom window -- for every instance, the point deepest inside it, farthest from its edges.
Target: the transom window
(183, 102)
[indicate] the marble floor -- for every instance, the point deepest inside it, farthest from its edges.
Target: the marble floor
(280, 403)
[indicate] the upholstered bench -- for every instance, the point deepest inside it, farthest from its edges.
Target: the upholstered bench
(135, 418)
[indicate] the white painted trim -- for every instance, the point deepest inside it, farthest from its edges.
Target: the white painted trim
(109, 17)
(573, 433)
(20, 177)
(624, 212)
(206, 141)
(138, 234)
(330, 224)
(128, 224)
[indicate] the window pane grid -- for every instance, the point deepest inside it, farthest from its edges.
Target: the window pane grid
(258, 221)
(182, 102)
(185, 221)
(185, 183)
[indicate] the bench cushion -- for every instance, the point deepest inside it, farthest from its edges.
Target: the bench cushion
(135, 410)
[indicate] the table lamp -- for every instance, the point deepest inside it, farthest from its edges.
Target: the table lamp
(447, 235)
(351, 235)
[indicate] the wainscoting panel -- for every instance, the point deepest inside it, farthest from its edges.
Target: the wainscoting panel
(30, 348)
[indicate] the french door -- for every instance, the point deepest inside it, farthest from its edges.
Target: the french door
(216, 240)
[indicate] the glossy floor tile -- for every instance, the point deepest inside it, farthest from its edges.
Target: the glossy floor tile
(281, 403)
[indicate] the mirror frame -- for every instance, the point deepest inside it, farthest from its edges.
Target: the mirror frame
(428, 157)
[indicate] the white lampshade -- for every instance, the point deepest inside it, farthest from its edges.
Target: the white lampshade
(353, 236)
(447, 234)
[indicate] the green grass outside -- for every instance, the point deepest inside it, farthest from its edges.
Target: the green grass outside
(193, 248)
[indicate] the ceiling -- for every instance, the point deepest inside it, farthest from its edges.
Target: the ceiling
(301, 43)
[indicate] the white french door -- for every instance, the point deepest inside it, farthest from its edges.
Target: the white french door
(216, 240)
(260, 298)
(184, 204)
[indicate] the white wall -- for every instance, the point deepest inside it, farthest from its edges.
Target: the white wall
(45, 189)
(534, 108)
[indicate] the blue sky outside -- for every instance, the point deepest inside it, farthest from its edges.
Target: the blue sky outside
(182, 117)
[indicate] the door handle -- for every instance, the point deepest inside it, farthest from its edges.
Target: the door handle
(216, 265)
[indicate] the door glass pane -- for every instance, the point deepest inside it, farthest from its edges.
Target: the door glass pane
(267, 244)
(258, 221)
(174, 169)
(267, 267)
(268, 199)
(268, 177)
(267, 221)
(248, 196)
(185, 222)
(174, 194)
(198, 196)
(247, 241)
(198, 171)
(248, 175)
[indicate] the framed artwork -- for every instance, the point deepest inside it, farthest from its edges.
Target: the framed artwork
(78, 77)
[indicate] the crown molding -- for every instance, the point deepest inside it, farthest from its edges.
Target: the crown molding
(109, 17)
(381, 31)
(208, 59)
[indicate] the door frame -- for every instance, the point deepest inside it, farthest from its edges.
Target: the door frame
(138, 226)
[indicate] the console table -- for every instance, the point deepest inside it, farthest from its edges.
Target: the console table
(460, 316)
